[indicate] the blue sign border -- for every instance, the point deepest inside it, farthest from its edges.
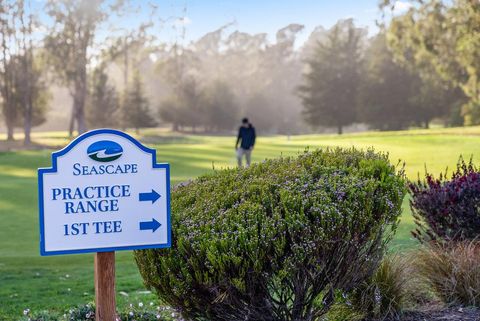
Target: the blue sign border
(53, 169)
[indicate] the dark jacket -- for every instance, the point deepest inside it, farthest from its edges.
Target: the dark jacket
(247, 136)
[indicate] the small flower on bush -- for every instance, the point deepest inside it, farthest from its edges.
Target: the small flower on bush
(87, 312)
(39, 316)
(444, 209)
(81, 313)
(141, 312)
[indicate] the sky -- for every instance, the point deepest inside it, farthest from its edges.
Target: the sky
(195, 18)
(269, 15)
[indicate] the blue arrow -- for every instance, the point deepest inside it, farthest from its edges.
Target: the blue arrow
(152, 196)
(150, 225)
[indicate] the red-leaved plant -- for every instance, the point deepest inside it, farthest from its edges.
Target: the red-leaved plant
(447, 210)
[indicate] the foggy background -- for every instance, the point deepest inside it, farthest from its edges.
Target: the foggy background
(73, 66)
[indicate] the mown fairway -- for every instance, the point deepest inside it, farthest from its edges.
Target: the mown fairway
(30, 281)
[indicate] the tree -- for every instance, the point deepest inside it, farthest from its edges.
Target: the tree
(183, 107)
(103, 104)
(7, 34)
(24, 93)
(436, 98)
(31, 87)
(394, 96)
(220, 108)
(387, 89)
(189, 93)
(137, 111)
(261, 112)
(125, 49)
(279, 73)
(329, 92)
(31, 96)
(70, 44)
(441, 37)
(169, 112)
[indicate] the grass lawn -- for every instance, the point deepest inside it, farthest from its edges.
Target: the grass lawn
(30, 281)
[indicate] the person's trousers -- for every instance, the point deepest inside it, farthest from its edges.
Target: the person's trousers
(247, 153)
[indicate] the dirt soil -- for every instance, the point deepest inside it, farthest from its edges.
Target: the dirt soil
(448, 314)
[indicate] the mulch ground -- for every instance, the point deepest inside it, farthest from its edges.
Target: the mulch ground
(449, 314)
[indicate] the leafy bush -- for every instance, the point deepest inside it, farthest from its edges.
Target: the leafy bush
(276, 240)
(447, 209)
(383, 296)
(453, 271)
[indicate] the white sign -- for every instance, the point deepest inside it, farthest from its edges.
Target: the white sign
(104, 192)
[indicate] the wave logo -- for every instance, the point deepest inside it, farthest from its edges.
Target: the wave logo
(104, 151)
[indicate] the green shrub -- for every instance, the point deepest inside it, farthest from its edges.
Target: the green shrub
(276, 240)
(452, 271)
(383, 296)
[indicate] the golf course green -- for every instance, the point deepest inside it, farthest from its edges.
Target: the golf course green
(56, 283)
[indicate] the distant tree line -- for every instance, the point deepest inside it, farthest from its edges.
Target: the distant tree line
(423, 65)
(441, 41)
(352, 79)
(23, 86)
(211, 83)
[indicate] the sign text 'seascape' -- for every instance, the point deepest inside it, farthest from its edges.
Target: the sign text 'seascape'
(104, 192)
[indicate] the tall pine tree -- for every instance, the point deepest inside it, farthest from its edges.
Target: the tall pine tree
(102, 104)
(136, 111)
(329, 92)
(387, 91)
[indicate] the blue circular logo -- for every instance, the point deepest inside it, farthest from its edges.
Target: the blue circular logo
(104, 151)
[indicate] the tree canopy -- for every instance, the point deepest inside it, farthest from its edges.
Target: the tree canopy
(421, 67)
(329, 92)
(441, 39)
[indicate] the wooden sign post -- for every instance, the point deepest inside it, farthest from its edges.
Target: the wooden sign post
(105, 192)
(105, 286)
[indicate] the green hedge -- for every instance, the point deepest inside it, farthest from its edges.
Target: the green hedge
(277, 240)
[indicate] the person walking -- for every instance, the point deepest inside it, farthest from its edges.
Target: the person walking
(246, 138)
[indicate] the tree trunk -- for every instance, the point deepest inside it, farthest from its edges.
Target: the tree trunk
(27, 125)
(123, 107)
(71, 127)
(79, 103)
(340, 129)
(10, 117)
(82, 125)
(10, 132)
(123, 118)
(28, 114)
(9, 110)
(427, 124)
